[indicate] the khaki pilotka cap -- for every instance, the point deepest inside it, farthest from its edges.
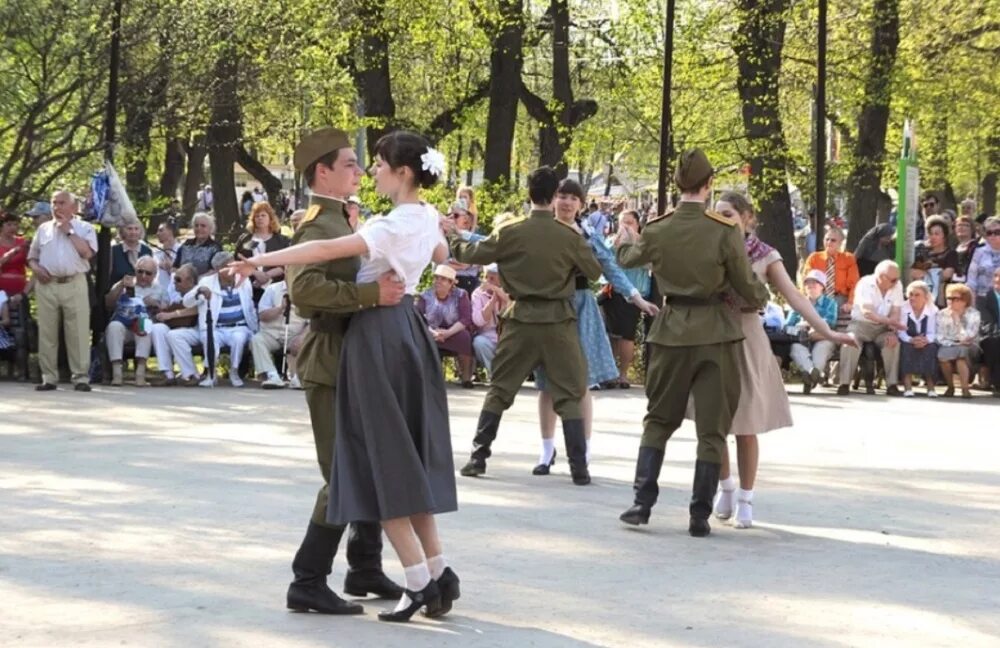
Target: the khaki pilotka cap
(693, 169)
(317, 144)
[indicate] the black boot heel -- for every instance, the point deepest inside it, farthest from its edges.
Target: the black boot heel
(429, 596)
(543, 469)
(448, 584)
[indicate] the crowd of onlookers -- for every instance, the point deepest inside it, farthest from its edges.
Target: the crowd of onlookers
(168, 300)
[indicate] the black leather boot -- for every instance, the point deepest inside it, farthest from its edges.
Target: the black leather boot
(364, 557)
(576, 450)
(647, 472)
(486, 433)
(706, 481)
(312, 564)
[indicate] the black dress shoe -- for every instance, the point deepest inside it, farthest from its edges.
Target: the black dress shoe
(429, 596)
(636, 514)
(699, 528)
(474, 468)
(543, 469)
(303, 598)
(81, 387)
(892, 390)
(45, 387)
(448, 584)
(843, 390)
(363, 583)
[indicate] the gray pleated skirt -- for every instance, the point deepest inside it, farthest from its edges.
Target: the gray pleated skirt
(392, 456)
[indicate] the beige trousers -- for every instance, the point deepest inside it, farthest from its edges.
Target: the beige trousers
(68, 304)
(869, 332)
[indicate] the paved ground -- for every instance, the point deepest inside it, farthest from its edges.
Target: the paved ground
(168, 517)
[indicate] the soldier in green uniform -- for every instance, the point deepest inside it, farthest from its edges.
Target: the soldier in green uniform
(326, 294)
(696, 256)
(538, 258)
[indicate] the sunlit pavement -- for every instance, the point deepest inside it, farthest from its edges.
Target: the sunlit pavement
(169, 517)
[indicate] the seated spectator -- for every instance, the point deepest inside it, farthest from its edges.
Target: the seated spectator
(165, 255)
(878, 299)
(840, 269)
(875, 246)
(13, 258)
(968, 243)
(811, 355)
(448, 312)
(957, 332)
(6, 339)
(989, 333)
(917, 342)
(940, 258)
(263, 234)
(467, 276)
(273, 335)
(134, 300)
(488, 302)
(234, 317)
(177, 324)
(201, 247)
(985, 260)
(129, 249)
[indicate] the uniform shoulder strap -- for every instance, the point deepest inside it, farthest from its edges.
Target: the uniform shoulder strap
(312, 213)
(511, 221)
(719, 218)
(665, 214)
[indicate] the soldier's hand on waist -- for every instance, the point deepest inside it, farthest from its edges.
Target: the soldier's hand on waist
(390, 289)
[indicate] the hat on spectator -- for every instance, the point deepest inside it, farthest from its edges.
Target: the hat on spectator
(693, 169)
(40, 209)
(317, 144)
(815, 275)
(221, 260)
(446, 272)
(492, 269)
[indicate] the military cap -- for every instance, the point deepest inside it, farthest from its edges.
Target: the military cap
(693, 169)
(317, 144)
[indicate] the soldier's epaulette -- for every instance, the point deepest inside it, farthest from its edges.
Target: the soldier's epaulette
(511, 221)
(665, 214)
(719, 218)
(313, 212)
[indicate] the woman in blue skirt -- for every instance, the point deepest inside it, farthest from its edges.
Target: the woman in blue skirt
(601, 366)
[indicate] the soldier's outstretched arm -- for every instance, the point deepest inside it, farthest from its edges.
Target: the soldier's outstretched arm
(738, 271)
(483, 252)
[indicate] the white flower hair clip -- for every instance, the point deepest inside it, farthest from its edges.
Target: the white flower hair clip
(433, 161)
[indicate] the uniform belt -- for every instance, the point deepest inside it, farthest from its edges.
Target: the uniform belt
(684, 300)
(582, 283)
(66, 279)
(328, 324)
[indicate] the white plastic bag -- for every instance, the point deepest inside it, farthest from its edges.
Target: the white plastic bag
(118, 207)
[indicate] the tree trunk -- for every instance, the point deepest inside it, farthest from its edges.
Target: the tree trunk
(222, 138)
(934, 167)
(506, 61)
(371, 73)
(270, 183)
(173, 168)
(195, 176)
(989, 183)
(758, 43)
(864, 185)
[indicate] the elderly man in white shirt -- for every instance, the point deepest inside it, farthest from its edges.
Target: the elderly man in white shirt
(273, 335)
(133, 300)
(176, 322)
(59, 258)
(878, 299)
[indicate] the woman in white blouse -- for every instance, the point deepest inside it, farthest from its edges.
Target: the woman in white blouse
(918, 349)
(957, 332)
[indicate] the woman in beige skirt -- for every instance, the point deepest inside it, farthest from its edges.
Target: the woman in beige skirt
(764, 403)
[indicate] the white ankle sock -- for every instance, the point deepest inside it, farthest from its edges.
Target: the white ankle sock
(436, 565)
(725, 502)
(548, 449)
(728, 484)
(417, 578)
(744, 509)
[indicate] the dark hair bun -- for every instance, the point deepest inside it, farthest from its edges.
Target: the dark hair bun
(406, 149)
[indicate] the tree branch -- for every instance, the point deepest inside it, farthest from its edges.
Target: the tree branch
(449, 120)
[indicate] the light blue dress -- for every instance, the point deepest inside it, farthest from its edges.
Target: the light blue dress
(594, 340)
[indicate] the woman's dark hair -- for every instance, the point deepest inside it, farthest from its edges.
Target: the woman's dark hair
(738, 201)
(572, 188)
(634, 214)
(542, 185)
(404, 149)
(938, 221)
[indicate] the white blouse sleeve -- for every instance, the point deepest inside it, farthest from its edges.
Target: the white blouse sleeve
(379, 238)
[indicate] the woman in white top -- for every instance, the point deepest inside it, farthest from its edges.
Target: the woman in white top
(918, 346)
(392, 458)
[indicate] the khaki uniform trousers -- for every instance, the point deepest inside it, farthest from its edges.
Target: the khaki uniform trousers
(69, 304)
(869, 332)
(711, 374)
(553, 346)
